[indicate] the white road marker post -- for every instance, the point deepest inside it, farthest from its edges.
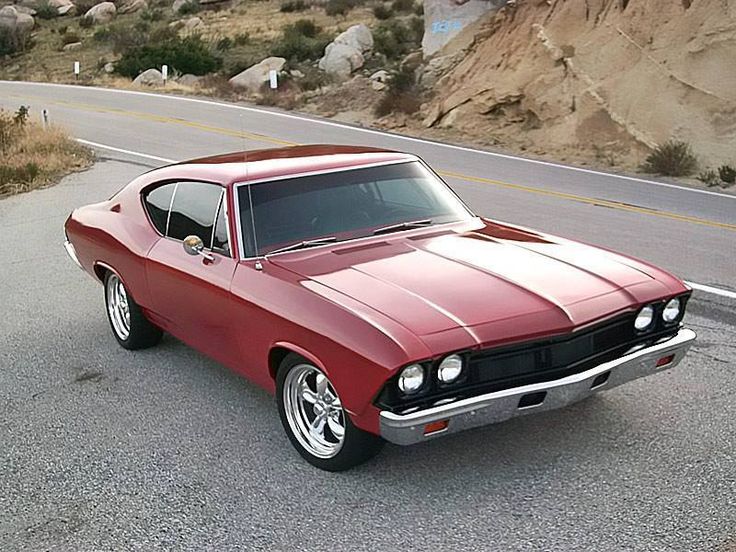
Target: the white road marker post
(77, 69)
(45, 118)
(273, 78)
(165, 73)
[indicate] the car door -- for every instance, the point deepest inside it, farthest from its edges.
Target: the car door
(192, 293)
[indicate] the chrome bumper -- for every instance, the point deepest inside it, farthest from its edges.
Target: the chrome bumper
(72, 253)
(501, 405)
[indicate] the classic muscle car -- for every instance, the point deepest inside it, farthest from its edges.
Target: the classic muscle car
(356, 286)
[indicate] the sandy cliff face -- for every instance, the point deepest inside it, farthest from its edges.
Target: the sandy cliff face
(612, 75)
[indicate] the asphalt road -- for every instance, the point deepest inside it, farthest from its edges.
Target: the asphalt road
(103, 449)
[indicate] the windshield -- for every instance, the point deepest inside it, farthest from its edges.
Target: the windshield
(344, 205)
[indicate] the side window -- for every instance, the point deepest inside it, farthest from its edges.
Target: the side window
(219, 239)
(193, 210)
(157, 203)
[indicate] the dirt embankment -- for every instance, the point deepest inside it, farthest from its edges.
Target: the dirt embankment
(598, 78)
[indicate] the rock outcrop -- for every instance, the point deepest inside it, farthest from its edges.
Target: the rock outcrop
(444, 19)
(345, 54)
(132, 6)
(101, 13)
(605, 74)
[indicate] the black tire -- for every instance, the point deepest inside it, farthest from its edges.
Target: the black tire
(357, 447)
(138, 333)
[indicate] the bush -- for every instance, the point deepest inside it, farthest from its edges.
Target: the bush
(394, 39)
(9, 131)
(86, 22)
(673, 158)
(293, 6)
(124, 36)
(727, 174)
(11, 41)
(300, 41)
(381, 11)
(83, 6)
(401, 95)
(224, 44)
(189, 8)
(46, 10)
(709, 178)
(152, 15)
(241, 39)
(403, 6)
(419, 9)
(183, 55)
(339, 7)
(20, 117)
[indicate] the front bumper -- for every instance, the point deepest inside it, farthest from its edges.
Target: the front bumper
(69, 247)
(495, 407)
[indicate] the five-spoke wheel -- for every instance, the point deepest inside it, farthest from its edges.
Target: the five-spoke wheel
(315, 420)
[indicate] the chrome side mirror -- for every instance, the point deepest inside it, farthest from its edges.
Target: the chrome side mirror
(194, 246)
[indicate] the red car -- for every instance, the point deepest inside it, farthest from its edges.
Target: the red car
(358, 287)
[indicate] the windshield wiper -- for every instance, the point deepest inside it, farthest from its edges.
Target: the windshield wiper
(403, 226)
(303, 245)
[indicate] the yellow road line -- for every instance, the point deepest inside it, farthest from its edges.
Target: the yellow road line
(277, 141)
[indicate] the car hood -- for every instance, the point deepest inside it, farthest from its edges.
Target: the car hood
(491, 282)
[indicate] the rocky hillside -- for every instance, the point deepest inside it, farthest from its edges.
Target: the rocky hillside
(587, 78)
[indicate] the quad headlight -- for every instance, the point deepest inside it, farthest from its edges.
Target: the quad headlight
(672, 310)
(450, 368)
(411, 379)
(644, 319)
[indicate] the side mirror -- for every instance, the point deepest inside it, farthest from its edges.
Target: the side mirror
(194, 246)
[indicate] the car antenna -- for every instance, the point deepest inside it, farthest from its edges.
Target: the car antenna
(258, 264)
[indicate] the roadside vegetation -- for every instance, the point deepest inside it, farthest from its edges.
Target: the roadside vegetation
(32, 157)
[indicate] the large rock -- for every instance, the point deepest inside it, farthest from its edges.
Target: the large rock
(25, 23)
(150, 77)
(132, 6)
(358, 37)
(19, 24)
(189, 80)
(444, 19)
(63, 7)
(253, 78)
(340, 60)
(101, 13)
(9, 18)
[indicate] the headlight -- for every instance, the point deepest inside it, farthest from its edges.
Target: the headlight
(450, 368)
(672, 310)
(411, 379)
(645, 318)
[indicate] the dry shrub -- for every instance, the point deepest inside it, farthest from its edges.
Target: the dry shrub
(673, 158)
(33, 157)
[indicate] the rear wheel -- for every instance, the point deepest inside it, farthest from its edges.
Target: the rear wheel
(315, 421)
(129, 326)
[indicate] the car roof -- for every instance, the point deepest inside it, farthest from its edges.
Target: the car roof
(264, 164)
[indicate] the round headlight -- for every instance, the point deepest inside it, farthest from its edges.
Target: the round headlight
(645, 318)
(450, 368)
(411, 379)
(672, 310)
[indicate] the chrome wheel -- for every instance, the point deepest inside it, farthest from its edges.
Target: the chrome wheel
(118, 308)
(313, 411)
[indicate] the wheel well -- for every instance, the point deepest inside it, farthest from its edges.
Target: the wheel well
(100, 272)
(275, 357)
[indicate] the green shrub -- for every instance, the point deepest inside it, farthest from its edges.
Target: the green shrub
(727, 173)
(673, 158)
(125, 35)
(313, 79)
(381, 11)
(189, 8)
(394, 39)
(300, 41)
(20, 117)
(709, 178)
(340, 7)
(184, 55)
(224, 44)
(46, 10)
(419, 9)
(86, 22)
(294, 6)
(152, 15)
(401, 95)
(11, 41)
(402, 6)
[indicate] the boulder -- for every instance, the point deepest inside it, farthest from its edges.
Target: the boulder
(189, 80)
(101, 13)
(340, 60)
(358, 37)
(26, 10)
(412, 61)
(379, 79)
(252, 79)
(72, 46)
(132, 6)
(109, 68)
(24, 23)
(63, 7)
(32, 4)
(192, 24)
(150, 77)
(9, 18)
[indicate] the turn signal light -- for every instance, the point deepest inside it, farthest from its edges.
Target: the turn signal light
(436, 427)
(664, 361)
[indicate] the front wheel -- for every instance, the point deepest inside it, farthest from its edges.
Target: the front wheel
(315, 421)
(129, 326)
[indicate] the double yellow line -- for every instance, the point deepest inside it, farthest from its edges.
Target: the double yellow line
(276, 141)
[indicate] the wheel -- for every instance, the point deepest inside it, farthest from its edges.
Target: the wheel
(313, 418)
(129, 326)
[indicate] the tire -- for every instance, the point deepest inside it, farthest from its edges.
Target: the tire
(305, 397)
(131, 328)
